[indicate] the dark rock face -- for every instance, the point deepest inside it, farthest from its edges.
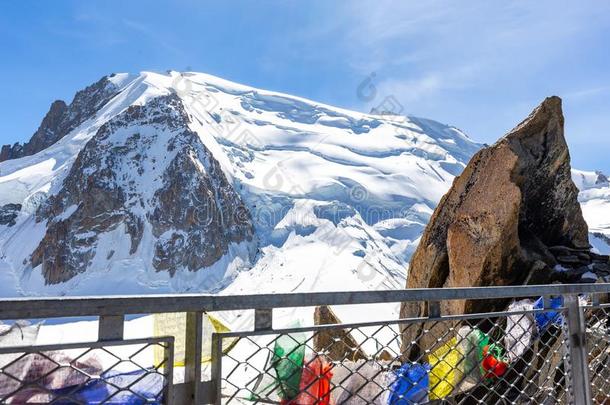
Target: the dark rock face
(196, 217)
(602, 179)
(61, 119)
(144, 169)
(514, 200)
(8, 214)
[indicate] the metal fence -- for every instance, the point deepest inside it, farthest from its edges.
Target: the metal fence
(63, 373)
(552, 346)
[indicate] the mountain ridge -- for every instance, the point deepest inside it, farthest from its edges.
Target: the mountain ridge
(63, 118)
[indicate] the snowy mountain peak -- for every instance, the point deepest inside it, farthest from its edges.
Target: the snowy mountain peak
(586, 180)
(188, 182)
(143, 176)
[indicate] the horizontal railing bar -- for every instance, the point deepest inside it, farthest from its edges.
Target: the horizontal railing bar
(28, 308)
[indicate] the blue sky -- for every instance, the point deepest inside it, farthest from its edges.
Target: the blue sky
(478, 65)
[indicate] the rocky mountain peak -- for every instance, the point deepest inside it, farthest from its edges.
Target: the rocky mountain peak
(147, 175)
(549, 206)
(63, 118)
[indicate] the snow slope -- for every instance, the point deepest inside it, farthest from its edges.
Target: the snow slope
(337, 198)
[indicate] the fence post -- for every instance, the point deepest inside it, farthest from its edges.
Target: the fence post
(579, 367)
(216, 370)
(434, 309)
(263, 319)
(110, 327)
(168, 371)
(192, 351)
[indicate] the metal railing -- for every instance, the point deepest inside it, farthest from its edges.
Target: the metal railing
(558, 352)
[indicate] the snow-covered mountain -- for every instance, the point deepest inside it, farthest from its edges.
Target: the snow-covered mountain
(594, 200)
(186, 182)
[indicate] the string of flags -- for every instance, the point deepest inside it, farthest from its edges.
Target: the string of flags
(466, 360)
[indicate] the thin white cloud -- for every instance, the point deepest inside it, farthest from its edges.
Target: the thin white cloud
(425, 47)
(587, 93)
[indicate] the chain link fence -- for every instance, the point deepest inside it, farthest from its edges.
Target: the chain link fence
(493, 358)
(551, 346)
(117, 372)
(598, 351)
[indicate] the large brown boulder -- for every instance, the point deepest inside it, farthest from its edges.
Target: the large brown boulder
(514, 200)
